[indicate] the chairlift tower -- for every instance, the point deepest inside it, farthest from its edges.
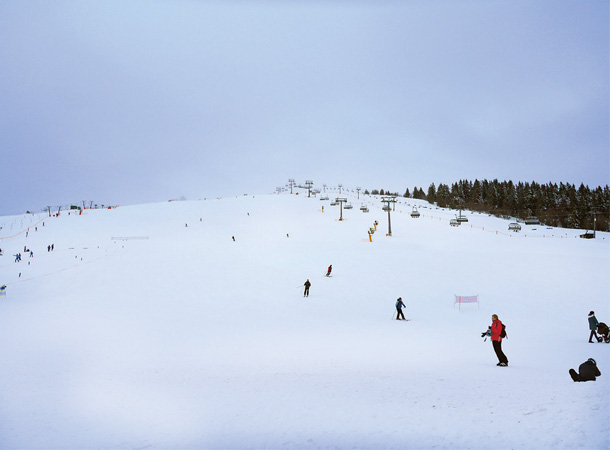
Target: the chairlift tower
(358, 190)
(341, 201)
(389, 200)
(309, 184)
(291, 183)
(324, 186)
(340, 186)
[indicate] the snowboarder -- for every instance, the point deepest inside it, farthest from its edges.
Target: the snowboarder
(593, 326)
(330, 269)
(496, 340)
(587, 371)
(399, 306)
(307, 285)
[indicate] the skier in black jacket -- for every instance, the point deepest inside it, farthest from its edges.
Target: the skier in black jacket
(307, 285)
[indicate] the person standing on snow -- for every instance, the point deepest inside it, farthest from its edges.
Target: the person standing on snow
(399, 306)
(307, 284)
(330, 269)
(496, 340)
(593, 326)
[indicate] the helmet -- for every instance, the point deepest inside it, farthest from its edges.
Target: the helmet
(592, 360)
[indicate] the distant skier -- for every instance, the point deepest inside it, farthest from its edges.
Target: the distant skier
(307, 285)
(587, 371)
(330, 269)
(399, 306)
(233, 238)
(593, 326)
(496, 340)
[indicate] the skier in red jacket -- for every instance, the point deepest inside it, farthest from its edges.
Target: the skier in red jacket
(496, 340)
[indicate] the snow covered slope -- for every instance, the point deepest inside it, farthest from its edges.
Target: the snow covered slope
(181, 337)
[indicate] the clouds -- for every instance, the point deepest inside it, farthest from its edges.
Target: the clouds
(216, 98)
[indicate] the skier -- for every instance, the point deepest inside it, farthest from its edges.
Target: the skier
(496, 340)
(307, 285)
(399, 306)
(330, 269)
(587, 371)
(593, 326)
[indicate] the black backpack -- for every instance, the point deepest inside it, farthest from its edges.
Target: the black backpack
(503, 332)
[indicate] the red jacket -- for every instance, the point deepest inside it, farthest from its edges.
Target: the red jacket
(496, 329)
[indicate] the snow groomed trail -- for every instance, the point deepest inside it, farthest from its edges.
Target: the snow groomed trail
(182, 337)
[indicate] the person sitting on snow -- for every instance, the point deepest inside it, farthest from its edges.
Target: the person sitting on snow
(587, 371)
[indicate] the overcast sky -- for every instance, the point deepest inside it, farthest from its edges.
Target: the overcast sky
(125, 102)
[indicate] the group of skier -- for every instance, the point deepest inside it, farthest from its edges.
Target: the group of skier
(587, 371)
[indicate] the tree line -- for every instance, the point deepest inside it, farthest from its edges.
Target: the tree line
(557, 205)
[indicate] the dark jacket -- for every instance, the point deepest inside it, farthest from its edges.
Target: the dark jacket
(587, 371)
(400, 305)
(593, 322)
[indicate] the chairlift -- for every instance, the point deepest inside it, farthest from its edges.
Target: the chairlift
(333, 203)
(454, 223)
(532, 220)
(415, 213)
(514, 227)
(348, 206)
(462, 218)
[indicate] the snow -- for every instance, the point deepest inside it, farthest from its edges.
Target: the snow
(184, 338)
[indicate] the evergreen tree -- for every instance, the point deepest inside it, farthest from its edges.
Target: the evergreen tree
(431, 193)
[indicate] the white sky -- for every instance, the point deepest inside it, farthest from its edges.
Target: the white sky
(132, 102)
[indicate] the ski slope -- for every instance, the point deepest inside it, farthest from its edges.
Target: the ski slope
(181, 337)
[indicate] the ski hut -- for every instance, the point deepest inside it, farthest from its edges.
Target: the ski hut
(415, 213)
(514, 227)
